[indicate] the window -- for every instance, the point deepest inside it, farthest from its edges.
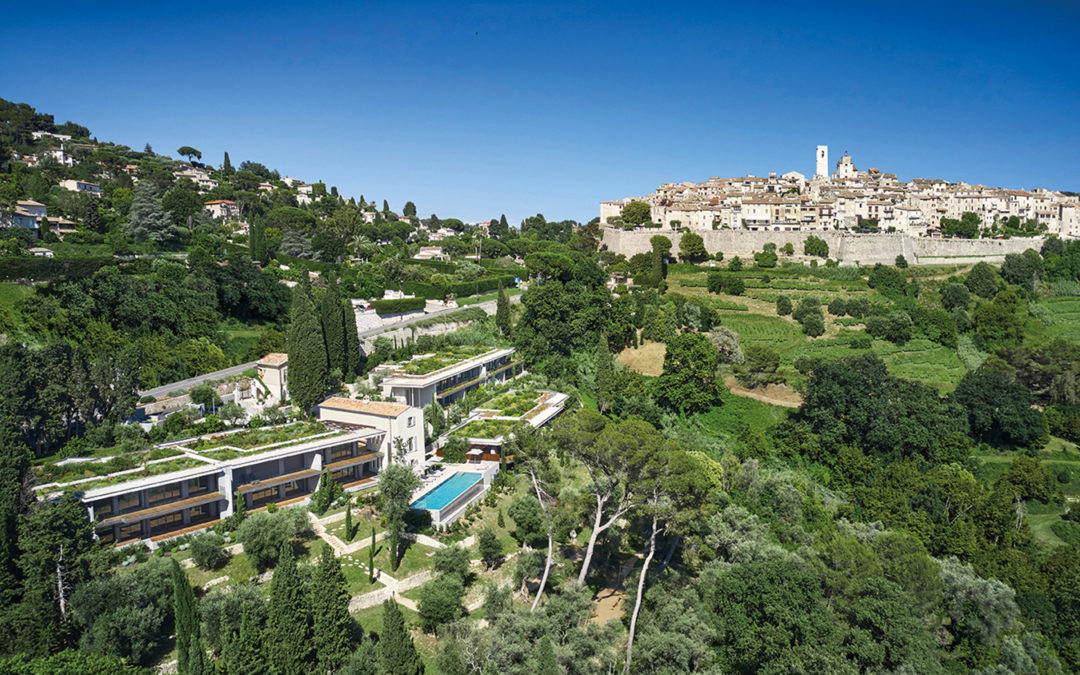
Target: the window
(412, 421)
(160, 494)
(341, 452)
(130, 531)
(165, 522)
(197, 486)
(128, 502)
(103, 508)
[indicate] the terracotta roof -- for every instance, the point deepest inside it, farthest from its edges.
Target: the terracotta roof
(220, 201)
(379, 408)
(274, 360)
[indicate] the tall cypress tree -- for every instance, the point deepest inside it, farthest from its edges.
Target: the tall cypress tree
(244, 656)
(502, 313)
(308, 369)
(352, 339)
(333, 324)
(190, 654)
(226, 166)
(348, 520)
(288, 622)
(332, 629)
(257, 241)
(606, 382)
(397, 653)
(14, 464)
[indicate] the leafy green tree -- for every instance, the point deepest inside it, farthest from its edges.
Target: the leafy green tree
(396, 652)
(816, 246)
(189, 152)
(692, 247)
(901, 262)
(996, 322)
(257, 241)
(759, 367)
(308, 367)
(637, 213)
(147, 220)
(528, 519)
(955, 296)
(409, 210)
(735, 265)
(453, 560)
(502, 314)
(660, 244)
(607, 381)
(489, 547)
(332, 625)
(999, 409)
(208, 550)
(440, 601)
(689, 383)
(983, 280)
(288, 621)
(783, 305)
(263, 534)
(396, 485)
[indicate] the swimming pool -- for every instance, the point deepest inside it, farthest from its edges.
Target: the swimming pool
(447, 500)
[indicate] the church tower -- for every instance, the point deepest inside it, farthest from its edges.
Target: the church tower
(822, 161)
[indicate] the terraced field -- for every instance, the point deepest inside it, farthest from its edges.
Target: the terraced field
(1065, 318)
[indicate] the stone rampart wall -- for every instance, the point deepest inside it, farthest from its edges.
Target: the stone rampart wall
(848, 248)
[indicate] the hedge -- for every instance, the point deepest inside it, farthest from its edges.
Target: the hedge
(38, 268)
(460, 290)
(399, 305)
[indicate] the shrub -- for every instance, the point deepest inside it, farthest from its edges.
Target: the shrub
(208, 550)
(398, 305)
(783, 305)
(838, 307)
(816, 246)
(263, 534)
(862, 341)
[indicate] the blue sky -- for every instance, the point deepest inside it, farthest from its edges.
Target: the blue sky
(472, 110)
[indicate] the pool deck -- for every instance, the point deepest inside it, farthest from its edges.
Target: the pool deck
(451, 511)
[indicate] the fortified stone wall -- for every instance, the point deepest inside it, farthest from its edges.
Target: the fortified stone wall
(846, 247)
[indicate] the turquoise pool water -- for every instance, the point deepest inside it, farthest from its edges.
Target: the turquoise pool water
(447, 491)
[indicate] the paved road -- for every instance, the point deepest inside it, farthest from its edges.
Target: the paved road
(191, 382)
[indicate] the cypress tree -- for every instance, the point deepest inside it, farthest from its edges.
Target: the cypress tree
(548, 664)
(606, 384)
(385, 206)
(190, 654)
(226, 166)
(332, 629)
(333, 324)
(288, 623)
(503, 225)
(502, 313)
(371, 558)
(257, 241)
(308, 369)
(348, 521)
(244, 654)
(352, 339)
(397, 653)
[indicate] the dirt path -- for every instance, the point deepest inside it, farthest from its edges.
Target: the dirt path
(776, 394)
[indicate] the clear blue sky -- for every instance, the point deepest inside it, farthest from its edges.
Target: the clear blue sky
(476, 110)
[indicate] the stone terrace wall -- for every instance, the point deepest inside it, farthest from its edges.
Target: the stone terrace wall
(848, 248)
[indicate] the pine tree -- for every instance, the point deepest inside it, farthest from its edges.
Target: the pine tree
(332, 629)
(409, 210)
(397, 653)
(502, 314)
(190, 654)
(352, 339)
(348, 521)
(606, 382)
(548, 664)
(288, 622)
(226, 166)
(308, 369)
(244, 656)
(147, 220)
(333, 324)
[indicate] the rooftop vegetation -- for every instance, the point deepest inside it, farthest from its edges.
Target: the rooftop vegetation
(443, 358)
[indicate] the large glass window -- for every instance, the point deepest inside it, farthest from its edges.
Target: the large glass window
(130, 531)
(295, 487)
(166, 522)
(264, 494)
(341, 452)
(103, 508)
(161, 494)
(128, 502)
(197, 486)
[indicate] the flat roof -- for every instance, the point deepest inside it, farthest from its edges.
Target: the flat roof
(378, 408)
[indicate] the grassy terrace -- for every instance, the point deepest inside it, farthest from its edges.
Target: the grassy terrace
(178, 464)
(53, 473)
(443, 358)
(484, 429)
(256, 438)
(513, 403)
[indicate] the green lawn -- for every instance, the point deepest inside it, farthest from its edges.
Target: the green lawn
(361, 524)
(716, 429)
(778, 334)
(919, 359)
(1065, 313)
(239, 569)
(10, 294)
(417, 558)
(356, 572)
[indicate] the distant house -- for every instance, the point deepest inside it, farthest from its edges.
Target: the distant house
(27, 215)
(40, 252)
(81, 186)
(223, 208)
(273, 370)
(130, 169)
(431, 253)
(48, 134)
(36, 209)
